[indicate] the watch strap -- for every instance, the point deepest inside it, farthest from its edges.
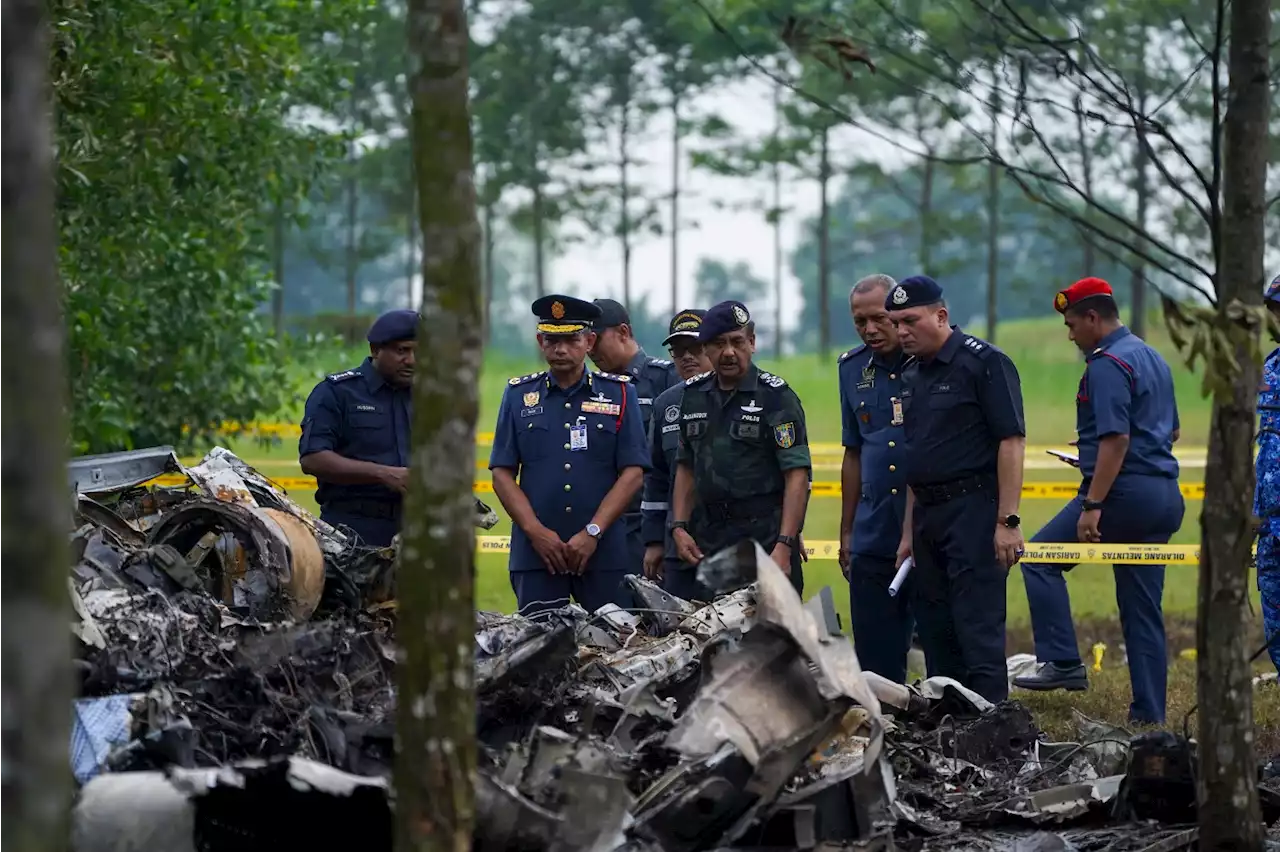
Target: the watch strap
(1091, 505)
(788, 540)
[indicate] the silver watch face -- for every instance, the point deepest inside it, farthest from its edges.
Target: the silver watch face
(593, 530)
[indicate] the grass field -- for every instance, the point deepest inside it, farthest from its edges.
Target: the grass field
(1050, 369)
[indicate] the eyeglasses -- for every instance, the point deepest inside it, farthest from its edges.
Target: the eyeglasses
(679, 350)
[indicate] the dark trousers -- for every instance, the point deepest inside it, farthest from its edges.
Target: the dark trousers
(716, 533)
(373, 532)
(681, 580)
(1268, 560)
(1138, 510)
(635, 545)
(537, 591)
(882, 625)
(959, 592)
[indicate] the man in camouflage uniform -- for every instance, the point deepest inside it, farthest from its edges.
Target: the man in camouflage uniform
(743, 466)
(1266, 499)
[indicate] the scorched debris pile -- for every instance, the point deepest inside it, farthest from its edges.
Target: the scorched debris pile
(237, 668)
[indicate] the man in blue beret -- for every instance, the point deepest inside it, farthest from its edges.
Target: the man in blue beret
(569, 454)
(355, 433)
(966, 438)
(743, 465)
(616, 350)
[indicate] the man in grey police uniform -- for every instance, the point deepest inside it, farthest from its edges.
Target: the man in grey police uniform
(355, 433)
(617, 351)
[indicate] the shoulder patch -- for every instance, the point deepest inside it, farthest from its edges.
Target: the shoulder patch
(342, 377)
(617, 377)
(847, 355)
(771, 380)
(695, 379)
(519, 380)
(659, 362)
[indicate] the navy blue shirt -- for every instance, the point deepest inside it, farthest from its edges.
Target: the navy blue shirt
(650, 377)
(660, 481)
(958, 407)
(1127, 389)
(869, 384)
(565, 486)
(359, 415)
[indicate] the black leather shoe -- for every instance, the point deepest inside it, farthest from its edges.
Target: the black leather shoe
(1051, 676)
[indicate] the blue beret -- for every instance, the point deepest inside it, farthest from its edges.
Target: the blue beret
(564, 314)
(722, 319)
(1273, 290)
(393, 326)
(912, 293)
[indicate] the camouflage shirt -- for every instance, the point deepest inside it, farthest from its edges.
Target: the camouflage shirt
(739, 442)
(1266, 497)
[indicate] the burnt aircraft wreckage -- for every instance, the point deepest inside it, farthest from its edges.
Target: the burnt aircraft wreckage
(236, 659)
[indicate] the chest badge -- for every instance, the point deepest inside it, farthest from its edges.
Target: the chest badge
(672, 414)
(869, 373)
(752, 408)
(784, 434)
(601, 405)
(531, 399)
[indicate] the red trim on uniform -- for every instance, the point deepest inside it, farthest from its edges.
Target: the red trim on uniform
(1128, 370)
(622, 410)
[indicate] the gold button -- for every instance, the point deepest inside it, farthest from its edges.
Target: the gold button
(892, 444)
(568, 487)
(893, 491)
(893, 467)
(566, 465)
(566, 446)
(566, 425)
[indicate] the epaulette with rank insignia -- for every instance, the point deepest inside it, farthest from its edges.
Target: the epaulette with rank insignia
(617, 377)
(854, 351)
(659, 362)
(771, 380)
(975, 345)
(519, 380)
(343, 376)
(693, 380)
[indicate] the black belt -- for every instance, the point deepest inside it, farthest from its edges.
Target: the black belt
(747, 507)
(364, 508)
(942, 492)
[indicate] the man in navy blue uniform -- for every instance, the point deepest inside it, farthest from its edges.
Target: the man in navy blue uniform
(1127, 422)
(569, 454)
(660, 560)
(355, 433)
(873, 483)
(962, 413)
(617, 351)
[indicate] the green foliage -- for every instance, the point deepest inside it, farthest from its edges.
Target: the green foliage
(172, 143)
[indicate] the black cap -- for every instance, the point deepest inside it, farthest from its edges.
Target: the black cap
(722, 319)
(393, 326)
(612, 314)
(564, 314)
(912, 293)
(685, 324)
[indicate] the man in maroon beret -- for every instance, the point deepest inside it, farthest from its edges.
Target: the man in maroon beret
(1126, 422)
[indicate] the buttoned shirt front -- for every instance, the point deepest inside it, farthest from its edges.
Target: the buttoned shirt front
(567, 447)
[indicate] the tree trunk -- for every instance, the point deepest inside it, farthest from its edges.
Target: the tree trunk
(37, 648)
(675, 199)
(1086, 169)
(1142, 189)
(435, 718)
(824, 243)
(488, 270)
(777, 222)
(539, 238)
(993, 218)
(277, 249)
(926, 213)
(411, 253)
(1228, 792)
(352, 250)
(624, 189)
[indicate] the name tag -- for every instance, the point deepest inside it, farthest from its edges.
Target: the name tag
(674, 427)
(646, 400)
(366, 408)
(578, 438)
(593, 407)
(867, 385)
(530, 412)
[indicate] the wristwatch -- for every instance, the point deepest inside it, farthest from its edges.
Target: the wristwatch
(1092, 505)
(594, 531)
(680, 525)
(788, 540)
(1012, 521)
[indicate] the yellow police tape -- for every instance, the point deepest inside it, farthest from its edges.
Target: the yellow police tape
(1030, 490)
(1074, 554)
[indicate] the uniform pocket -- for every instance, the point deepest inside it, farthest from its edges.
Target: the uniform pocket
(944, 401)
(534, 440)
(740, 431)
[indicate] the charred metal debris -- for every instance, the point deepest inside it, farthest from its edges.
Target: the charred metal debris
(237, 692)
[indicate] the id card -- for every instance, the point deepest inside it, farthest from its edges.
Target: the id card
(897, 411)
(578, 438)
